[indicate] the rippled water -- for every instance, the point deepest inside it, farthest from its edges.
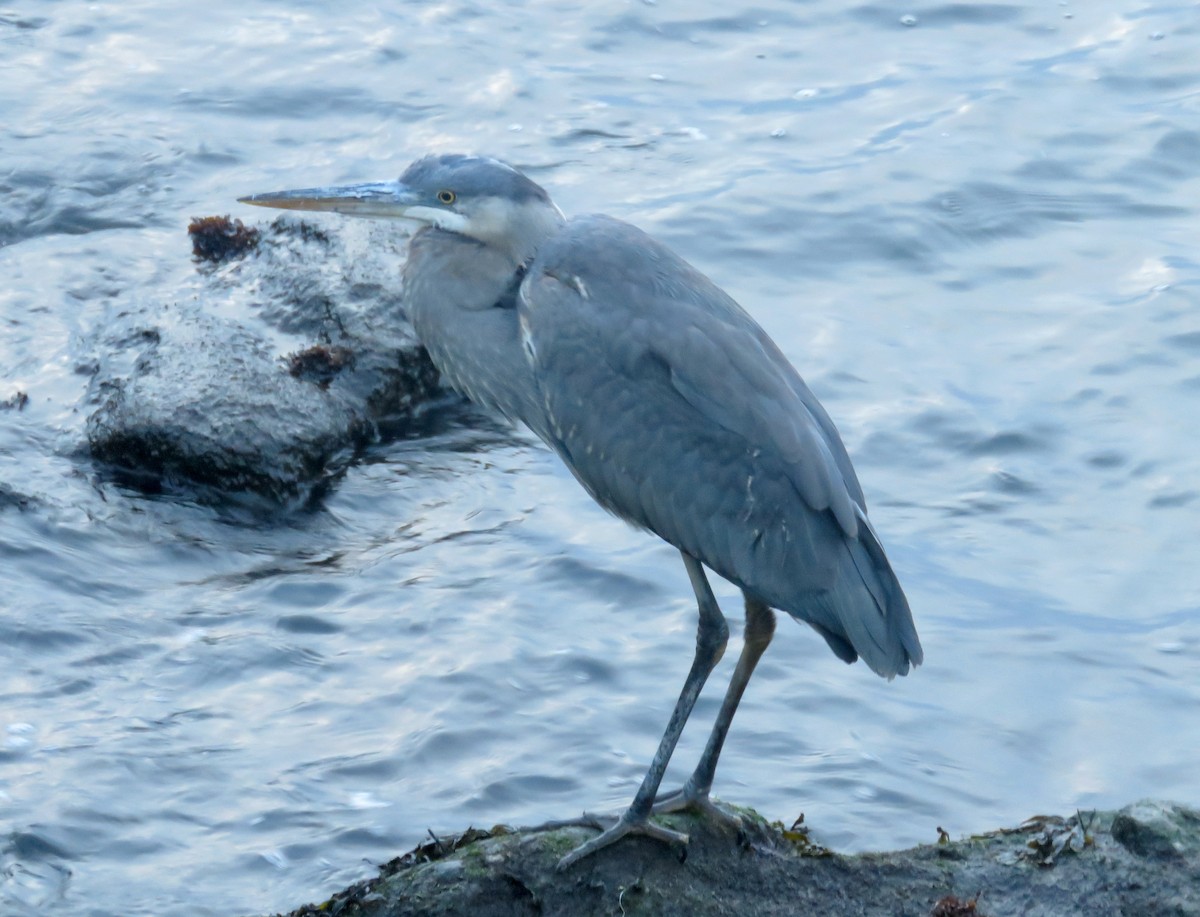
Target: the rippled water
(971, 226)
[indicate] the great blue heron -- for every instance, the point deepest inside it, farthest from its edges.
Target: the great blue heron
(669, 404)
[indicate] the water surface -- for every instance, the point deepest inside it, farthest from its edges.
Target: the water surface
(971, 226)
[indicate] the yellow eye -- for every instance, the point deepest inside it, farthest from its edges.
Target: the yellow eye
(446, 197)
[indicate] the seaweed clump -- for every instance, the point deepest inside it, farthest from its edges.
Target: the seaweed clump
(218, 239)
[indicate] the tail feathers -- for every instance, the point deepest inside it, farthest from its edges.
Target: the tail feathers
(865, 613)
(841, 648)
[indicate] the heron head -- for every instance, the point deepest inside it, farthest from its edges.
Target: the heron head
(474, 196)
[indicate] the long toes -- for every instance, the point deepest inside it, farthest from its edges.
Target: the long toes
(700, 802)
(619, 830)
(586, 820)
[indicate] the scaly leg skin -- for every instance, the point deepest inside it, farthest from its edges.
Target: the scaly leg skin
(760, 627)
(711, 637)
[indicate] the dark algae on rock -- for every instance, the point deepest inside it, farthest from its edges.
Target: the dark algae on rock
(220, 238)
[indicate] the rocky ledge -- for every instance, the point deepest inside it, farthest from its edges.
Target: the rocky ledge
(1141, 860)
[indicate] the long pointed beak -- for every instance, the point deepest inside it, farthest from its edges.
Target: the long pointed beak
(389, 199)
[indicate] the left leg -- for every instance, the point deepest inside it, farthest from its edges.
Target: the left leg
(760, 628)
(711, 637)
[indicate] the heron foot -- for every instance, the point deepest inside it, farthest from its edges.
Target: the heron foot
(612, 829)
(686, 798)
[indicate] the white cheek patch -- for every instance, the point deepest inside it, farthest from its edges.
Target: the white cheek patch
(442, 219)
(489, 219)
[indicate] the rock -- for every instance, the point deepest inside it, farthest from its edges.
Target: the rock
(207, 404)
(1159, 830)
(767, 871)
(15, 402)
(187, 398)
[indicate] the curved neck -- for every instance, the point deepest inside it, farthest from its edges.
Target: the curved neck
(459, 296)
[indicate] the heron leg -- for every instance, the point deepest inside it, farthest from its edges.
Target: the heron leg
(711, 637)
(760, 628)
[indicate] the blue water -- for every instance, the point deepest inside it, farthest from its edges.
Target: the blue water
(971, 226)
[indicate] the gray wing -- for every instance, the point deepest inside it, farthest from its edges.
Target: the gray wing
(605, 293)
(677, 412)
